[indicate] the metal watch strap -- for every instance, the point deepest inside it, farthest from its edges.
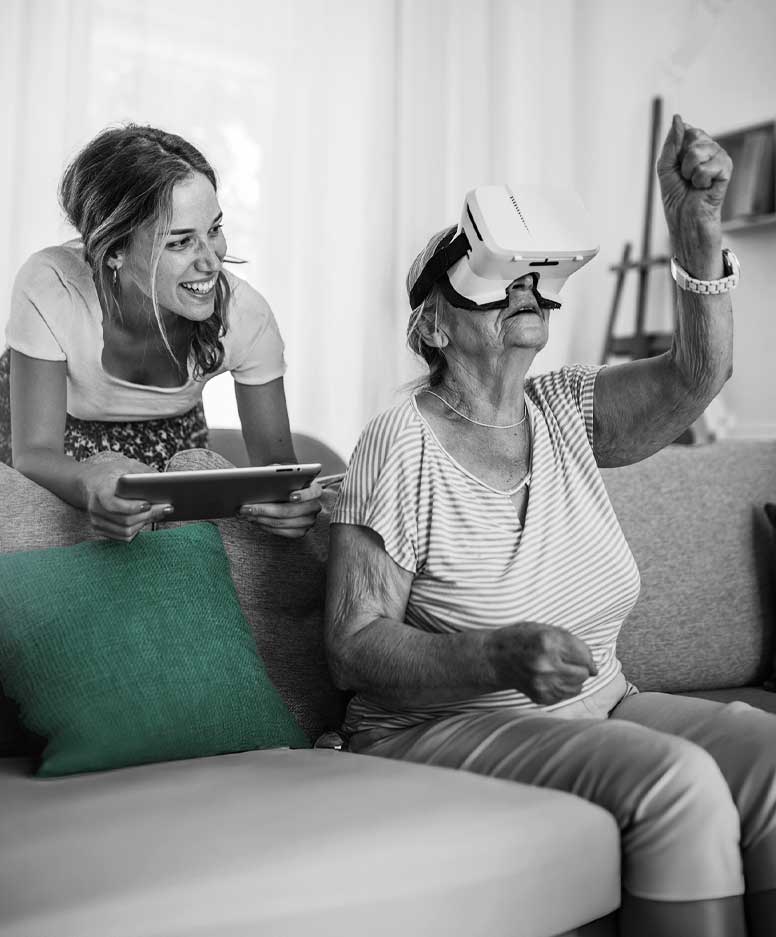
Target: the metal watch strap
(729, 282)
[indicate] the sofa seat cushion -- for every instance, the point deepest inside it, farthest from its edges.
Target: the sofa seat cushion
(296, 843)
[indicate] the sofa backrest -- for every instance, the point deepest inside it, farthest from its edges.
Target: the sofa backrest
(693, 516)
(280, 584)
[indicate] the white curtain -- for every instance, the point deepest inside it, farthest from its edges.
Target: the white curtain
(344, 133)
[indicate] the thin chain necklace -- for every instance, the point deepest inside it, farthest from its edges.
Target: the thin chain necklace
(477, 422)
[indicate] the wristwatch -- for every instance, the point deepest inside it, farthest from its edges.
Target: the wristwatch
(729, 282)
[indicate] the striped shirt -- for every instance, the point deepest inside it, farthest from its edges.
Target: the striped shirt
(474, 565)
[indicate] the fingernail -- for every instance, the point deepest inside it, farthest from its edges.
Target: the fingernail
(295, 496)
(168, 509)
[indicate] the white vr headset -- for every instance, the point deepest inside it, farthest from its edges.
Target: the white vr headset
(504, 235)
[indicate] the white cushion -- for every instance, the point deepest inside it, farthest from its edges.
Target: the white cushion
(285, 843)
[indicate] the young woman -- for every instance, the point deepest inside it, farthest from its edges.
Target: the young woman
(112, 337)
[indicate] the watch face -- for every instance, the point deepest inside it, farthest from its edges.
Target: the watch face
(732, 266)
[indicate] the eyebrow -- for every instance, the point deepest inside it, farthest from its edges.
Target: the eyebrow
(217, 218)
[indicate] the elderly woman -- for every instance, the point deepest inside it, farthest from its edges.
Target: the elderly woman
(478, 580)
(112, 337)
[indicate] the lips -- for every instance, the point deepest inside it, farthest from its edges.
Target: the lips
(523, 309)
(200, 287)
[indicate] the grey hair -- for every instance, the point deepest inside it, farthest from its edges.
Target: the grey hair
(424, 318)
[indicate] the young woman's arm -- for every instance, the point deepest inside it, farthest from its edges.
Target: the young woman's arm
(264, 419)
(267, 434)
(38, 414)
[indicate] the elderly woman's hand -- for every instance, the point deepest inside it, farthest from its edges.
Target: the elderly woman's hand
(292, 518)
(545, 662)
(694, 172)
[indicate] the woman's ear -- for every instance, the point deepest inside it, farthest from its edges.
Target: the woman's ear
(434, 337)
(115, 260)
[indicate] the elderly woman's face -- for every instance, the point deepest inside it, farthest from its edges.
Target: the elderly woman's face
(191, 256)
(522, 324)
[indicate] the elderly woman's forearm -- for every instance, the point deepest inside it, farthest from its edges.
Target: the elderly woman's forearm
(702, 346)
(397, 665)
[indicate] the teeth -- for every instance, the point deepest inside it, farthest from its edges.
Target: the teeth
(200, 287)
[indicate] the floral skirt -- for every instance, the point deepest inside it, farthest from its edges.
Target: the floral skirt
(153, 442)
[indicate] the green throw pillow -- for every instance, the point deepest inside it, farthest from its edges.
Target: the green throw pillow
(121, 654)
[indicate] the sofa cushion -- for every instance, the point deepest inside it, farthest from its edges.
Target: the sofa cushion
(770, 513)
(31, 518)
(281, 584)
(693, 517)
(298, 843)
(122, 654)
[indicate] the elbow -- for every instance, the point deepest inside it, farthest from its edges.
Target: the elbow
(338, 671)
(338, 662)
(701, 382)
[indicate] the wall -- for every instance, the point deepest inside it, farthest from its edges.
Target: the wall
(714, 63)
(421, 101)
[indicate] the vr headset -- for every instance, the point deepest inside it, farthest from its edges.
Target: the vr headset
(504, 235)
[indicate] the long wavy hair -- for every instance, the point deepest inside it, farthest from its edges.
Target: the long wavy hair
(120, 180)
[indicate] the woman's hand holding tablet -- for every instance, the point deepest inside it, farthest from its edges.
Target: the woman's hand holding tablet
(282, 499)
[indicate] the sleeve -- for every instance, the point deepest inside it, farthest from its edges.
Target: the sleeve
(581, 380)
(255, 343)
(381, 488)
(569, 393)
(39, 302)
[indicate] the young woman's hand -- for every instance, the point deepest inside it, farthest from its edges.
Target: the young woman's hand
(111, 516)
(292, 518)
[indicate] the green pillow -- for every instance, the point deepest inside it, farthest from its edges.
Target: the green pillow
(121, 654)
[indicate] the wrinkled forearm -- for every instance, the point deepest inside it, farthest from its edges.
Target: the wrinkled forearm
(702, 348)
(394, 664)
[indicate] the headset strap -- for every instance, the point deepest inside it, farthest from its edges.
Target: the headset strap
(448, 253)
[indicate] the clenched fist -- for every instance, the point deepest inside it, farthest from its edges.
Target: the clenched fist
(546, 663)
(694, 173)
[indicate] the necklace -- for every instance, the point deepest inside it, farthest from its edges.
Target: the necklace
(477, 422)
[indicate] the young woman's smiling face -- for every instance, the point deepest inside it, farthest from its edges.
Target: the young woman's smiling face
(191, 258)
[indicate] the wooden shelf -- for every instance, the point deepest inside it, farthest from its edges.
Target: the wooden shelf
(750, 201)
(747, 222)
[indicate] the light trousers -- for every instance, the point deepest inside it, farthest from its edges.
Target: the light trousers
(691, 783)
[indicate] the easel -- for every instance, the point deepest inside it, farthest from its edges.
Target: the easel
(640, 344)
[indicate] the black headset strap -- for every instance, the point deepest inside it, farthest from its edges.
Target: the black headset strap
(463, 302)
(449, 252)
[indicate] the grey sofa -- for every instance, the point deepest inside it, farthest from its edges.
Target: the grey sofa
(310, 842)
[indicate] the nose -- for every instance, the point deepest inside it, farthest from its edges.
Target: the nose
(525, 282)
(207, 260)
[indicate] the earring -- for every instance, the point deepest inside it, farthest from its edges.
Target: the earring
(115, 277)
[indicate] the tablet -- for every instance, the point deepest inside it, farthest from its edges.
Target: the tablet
(216, 492)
